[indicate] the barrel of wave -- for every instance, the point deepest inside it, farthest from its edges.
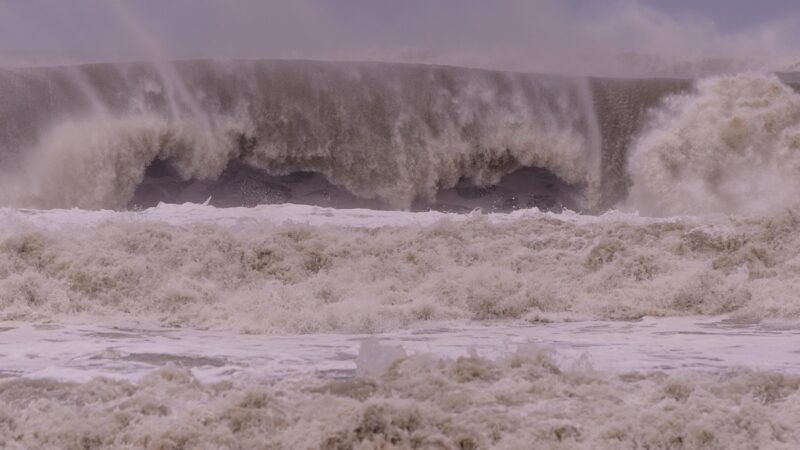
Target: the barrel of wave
(731, 146)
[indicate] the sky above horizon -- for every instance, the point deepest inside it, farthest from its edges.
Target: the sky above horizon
(568, 35)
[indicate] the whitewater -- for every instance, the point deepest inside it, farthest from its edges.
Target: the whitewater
(304, 254)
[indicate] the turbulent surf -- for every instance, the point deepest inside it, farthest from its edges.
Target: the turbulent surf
(158, 211)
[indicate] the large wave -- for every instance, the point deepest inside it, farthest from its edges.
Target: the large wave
(393, 136)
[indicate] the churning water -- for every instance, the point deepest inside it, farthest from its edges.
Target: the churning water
(204, 256)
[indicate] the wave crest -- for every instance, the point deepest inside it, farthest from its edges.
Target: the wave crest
(731, 146)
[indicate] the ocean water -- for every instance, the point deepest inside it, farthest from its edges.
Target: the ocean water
(300, 254)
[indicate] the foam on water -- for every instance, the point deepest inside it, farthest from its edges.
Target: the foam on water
(130, 350)
(255, 327)
(249, 270)
(522, 398)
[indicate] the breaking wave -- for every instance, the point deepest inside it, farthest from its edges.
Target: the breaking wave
(392, 132)
(394, 136)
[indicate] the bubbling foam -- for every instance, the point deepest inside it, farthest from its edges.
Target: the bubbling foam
(253, 276)
(731, 146)
(419, 401)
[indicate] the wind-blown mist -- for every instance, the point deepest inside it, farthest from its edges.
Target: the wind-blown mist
(599, 37)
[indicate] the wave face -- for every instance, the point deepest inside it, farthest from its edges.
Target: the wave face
(379, 135)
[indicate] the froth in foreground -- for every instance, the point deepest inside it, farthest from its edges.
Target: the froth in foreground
(524, 400)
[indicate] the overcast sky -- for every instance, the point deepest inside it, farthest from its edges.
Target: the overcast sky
(554, 35)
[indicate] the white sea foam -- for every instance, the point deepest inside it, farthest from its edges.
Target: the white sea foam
(248, 273)
(523, 400)
(731, 146)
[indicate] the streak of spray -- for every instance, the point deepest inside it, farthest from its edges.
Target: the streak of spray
(594, 140)
(176, 91)
(97, 105)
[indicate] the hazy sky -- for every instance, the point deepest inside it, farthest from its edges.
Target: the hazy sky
(569, 35)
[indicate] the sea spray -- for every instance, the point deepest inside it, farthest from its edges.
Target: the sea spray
(730, 146)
